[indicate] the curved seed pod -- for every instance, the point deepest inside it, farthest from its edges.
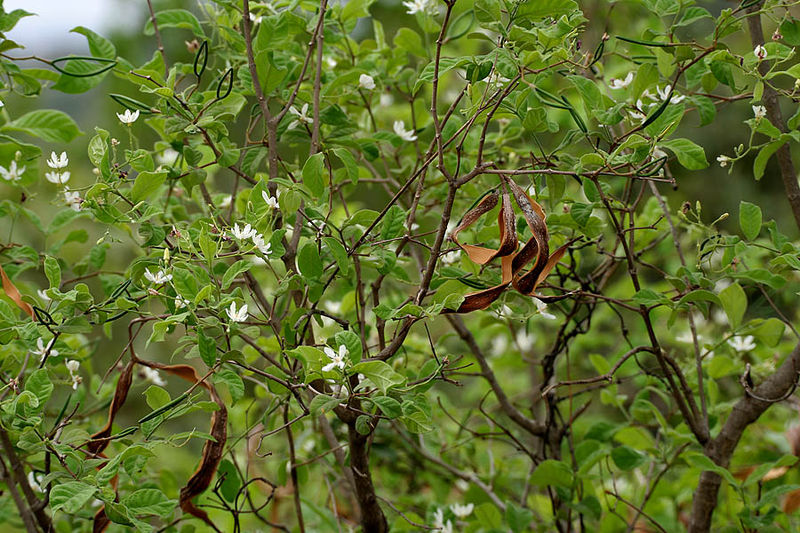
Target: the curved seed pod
(536, 249)
(505, 221)
(130, 103)
(223, 93)
(201, 59)
(212, 450)
(13, 293)
(110, 63)
(482, 299)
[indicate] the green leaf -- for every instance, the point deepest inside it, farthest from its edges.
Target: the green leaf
(53, 271)
(70, 496)
(39, 385)
(769, 331)
(689, 154)
(626, 458)
(156, 397)
(393, 222)
(760, 162)
(379, 373)
(308, 261)
(146, 185)
(175, 18)
(233, 381)
(322, 404)
(207, 347)
(239, 267)
(518, 518)
(734, 302)
(552, 472)
(149, 502)
(351, 341)
(349, 162)
(388, 406)
(47, 124)
(231, 481)
(750, 220)
(538, 9)
(99, 46)
(313, 175)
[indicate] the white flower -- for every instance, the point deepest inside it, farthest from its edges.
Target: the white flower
(181, 302)
(59, 178)
(258, 240)
(451, 257)
(760, 52)
(152, 375)
(331, 62)
(524, 340)
(73, 199)
(33, 483)
(337, 359)
(159, 278)
(400, 130)
(462, 511)
(13, 173)
(366, 82)
(43, 295)
(386, 100)
(759, 111)
(665, 94)
(128, 117)
(57, 161)
(243, 233)
(302, 116)
(2, 104)
(438, 522)
(226, 201)
(420, 6)
(167, 157)
(272, 201)
(615, 83)
(495, 78)
(255, 19)
(541, 307)
(723, 160)
(742, 344)
(73, 367)
(237, 316)
(41, 349)
(637, 115)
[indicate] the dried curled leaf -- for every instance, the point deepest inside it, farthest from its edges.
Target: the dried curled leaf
(513, 263)
(13, 293)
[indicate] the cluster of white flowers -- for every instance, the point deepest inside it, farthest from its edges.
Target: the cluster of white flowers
(249, 232)
(159, 278)
(73, 367)
(235, 315)
(42, 350)
(759, 111)
(12, 173)
(648, 101)
(302, 116)
(58, 176)
(402, 132)
(337, 359)
(128, 117)
(73, 199)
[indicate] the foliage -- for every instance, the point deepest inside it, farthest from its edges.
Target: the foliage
(257, 312)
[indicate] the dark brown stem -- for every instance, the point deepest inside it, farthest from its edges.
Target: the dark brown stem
(372, 518)
(745, 412)
(158, 37)
(770, 101)
(17, 472)
(24, 511)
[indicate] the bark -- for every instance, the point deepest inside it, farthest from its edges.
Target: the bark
(720, 449)
(372, 518)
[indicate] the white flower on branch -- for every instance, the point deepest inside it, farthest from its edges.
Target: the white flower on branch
(58, 178)
(760, 52)
(152, 375)
(264, 248)
(243, 233)
(402, 132)
(73, 366)
(676, 98)
(272, 201)
(759, 111)
(128, 117)
(13, 173)
(302, 116)
(541, 307)
(742, 344)
(366, 82)
(462, 511)
(337, 359)
(159, 278)
(616, 83)
(73, 199)
(41, 350)
(57, 161)
(723, 160)
(235, 315)
(420, 6)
